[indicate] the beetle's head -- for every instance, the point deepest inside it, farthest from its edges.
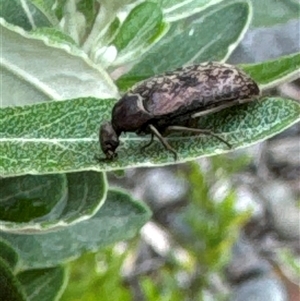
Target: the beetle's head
(109, 140)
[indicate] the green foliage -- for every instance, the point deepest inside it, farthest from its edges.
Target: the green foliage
(271, 73)
(33, 282)
(217, 223)
(192, 39)
(8, 254)
(57, 61)
(290, 260)
(141, 24)
(282, 12)
(29, 284)
(229, 165)
(164, 288)
(15, 13)
(97, 276)
(119, 218)
(50, 201)
(10, 288)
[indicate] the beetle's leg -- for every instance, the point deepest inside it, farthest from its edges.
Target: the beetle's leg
(163, 140)
(148, 144)
(198, 131)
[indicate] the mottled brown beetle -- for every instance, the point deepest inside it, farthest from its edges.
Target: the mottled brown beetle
(166, 103)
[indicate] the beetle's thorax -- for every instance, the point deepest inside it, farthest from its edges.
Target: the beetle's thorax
(129, 114)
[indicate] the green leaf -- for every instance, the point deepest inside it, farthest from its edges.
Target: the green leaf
(46, 69)
(8, 254)
(119, 219)
(65, 138)
(179, 9)
(271, 73)
(282, 12)
(60, 136)
(87, 8)
(38, 203)
(197, 39)
(111, 32)
(54, 36)
(141, 25)
(116, 4)
(10, 288)
(27, 198)
(46, 8)
(43, 284)
(25, 14)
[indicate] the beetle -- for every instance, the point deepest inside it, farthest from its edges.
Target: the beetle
(168, 102)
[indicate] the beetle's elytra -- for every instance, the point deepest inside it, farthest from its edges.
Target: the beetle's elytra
(166, 102)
